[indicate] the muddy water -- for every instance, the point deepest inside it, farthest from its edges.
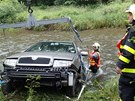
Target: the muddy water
(11, 43)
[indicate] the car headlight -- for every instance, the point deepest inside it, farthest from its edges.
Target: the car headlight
(10, 62)
(61, 63)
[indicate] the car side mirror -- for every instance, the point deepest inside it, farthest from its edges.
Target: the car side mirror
(84, 53)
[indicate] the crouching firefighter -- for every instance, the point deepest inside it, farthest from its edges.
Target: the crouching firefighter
(125, 65)
(94, 58)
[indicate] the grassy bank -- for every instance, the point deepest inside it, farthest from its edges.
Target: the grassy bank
(102, 91)
(89, 17)
(99, 91)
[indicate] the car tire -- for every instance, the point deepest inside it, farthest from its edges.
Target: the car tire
(6, 88)
(78, 86)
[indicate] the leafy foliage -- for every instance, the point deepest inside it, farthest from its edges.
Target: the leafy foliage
(32, 83)
(66, 2)
(8, 9)
(84, 17)
(106, 90)
(101, 91)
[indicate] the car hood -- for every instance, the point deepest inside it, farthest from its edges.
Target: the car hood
(53, 55)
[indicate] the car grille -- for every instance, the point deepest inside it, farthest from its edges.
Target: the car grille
(62, 69)
(33, 68)
(29, 60)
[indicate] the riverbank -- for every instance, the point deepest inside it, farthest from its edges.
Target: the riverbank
(99, 91)
(88, 17)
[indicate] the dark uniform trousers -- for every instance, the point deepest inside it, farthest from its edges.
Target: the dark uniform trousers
(126, 88)
(94, 69)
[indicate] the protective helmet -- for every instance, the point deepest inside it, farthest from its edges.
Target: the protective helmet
(131, 9)
(96, 45)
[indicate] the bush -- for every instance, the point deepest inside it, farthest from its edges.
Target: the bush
(79, 2)
(64, 2)
(59, 2)
(8, 9)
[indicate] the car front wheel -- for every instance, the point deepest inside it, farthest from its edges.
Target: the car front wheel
(7, 88)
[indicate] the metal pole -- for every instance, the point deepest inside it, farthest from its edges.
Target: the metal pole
(81, 92)
(85, 84)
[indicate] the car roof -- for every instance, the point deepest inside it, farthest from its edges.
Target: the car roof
(56, 41)
(59, 41)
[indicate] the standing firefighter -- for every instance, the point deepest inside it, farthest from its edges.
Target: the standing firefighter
(126, 61)
(94, 57)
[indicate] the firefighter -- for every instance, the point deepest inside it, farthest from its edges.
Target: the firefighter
(125, 65)
(94, 57)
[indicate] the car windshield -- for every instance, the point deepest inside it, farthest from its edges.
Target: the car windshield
(53, 47)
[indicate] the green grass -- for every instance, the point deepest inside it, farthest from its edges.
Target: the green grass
(100, 91)
(8, 9)
(89, 17)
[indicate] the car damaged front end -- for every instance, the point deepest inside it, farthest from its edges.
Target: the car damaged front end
(60, 68)
(52, 71)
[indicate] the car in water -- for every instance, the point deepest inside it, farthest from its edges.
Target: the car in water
(57, 63)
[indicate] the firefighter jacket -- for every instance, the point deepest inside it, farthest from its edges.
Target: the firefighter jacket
(126, 46)
(95, 59)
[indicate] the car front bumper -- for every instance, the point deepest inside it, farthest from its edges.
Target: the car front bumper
(47, 77)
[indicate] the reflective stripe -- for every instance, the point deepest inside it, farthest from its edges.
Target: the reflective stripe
(128, 70)
(121, 46)
(124, 59)
(92, 62)
(129, 49)
(120, 100)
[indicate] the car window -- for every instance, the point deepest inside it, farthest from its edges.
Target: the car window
(53, 46)
(36, 47)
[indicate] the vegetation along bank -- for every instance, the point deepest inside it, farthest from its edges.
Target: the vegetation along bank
(85, 15)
